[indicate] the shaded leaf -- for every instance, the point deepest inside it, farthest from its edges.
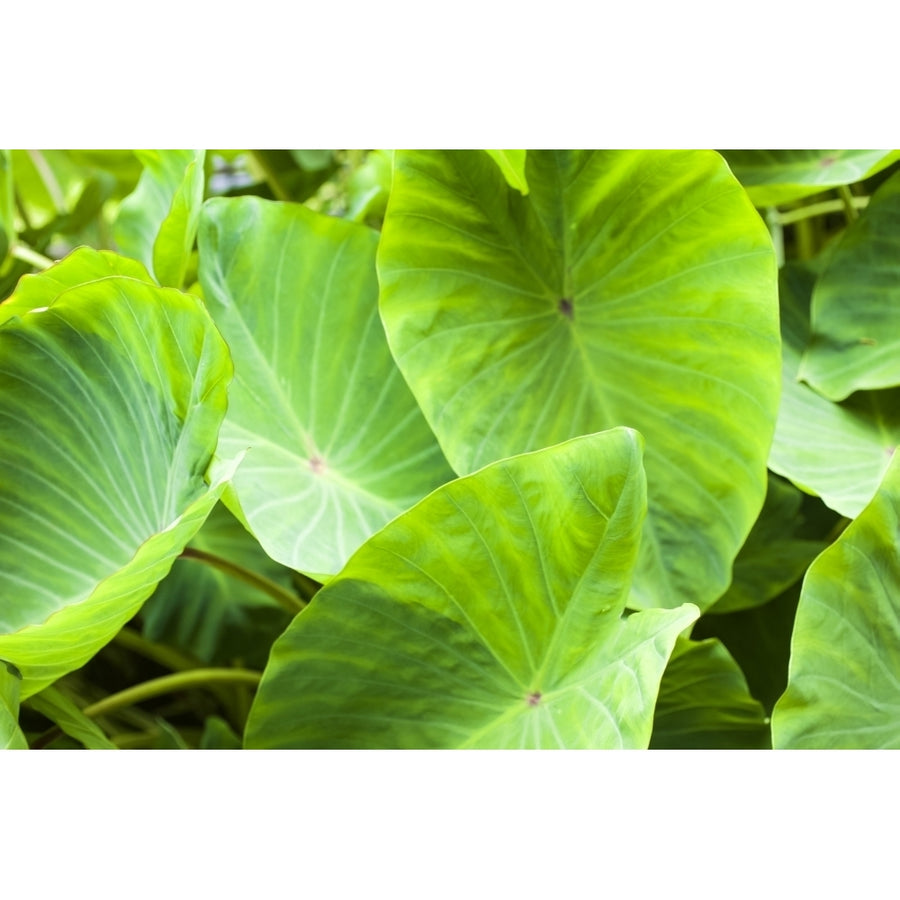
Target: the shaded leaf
(704, 703)
(838, 451)
(60, 710)
(7, 205)
(844, 679)
(773, 177)
(337, 445)
(11, 736)
(111, 397)
(614, 294)
(855, 343)
(488, 615)
(218, 735)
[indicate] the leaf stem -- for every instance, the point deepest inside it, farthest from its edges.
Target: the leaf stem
(285, 598)
(850, 210)
(32, 257)
(166, 684)
(821, 209)
(158, 653)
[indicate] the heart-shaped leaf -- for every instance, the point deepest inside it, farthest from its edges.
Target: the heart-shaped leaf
(157, 222)
(844, 679)
(838, 451)
(772, 177)
(488, 615)
(617, 293)
(855, 343)
(337, 445)
(111, 397)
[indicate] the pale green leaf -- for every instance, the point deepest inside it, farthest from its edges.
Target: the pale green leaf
(11, 737)
(488, 615)
(628, 288)
(844, 678)
(336, 445)
(111, 396)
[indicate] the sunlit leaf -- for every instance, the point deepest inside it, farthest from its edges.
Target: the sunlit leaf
(488, 615)
(11, 737)
(512, 165)
(628, 288)
(111, 397)
(336, 445)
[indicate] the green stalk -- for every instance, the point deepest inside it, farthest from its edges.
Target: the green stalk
(290, 601)
(271, 176)
(821, 209)
(851, 212)
(32, 257)
(179, 681)
(158, 653)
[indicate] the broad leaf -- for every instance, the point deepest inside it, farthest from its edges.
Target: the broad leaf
(838, 451)
(856, 331)
(512, 165)
(7, 205)
(157, 223)
(704, 703)
(11, 737)
(773, 177)
(111, 397)
(489, 615)
(844, 679)
(60, 710)
(774, 557)
(628, 288)
(337, 445)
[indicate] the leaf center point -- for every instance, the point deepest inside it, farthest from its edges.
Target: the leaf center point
(566, 308)
(534, 698)
(317, 465)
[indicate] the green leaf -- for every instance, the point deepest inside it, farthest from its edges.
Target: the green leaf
(369, 187)
(213, 616)
(11, 737)
(111, 397)
(704, 703)
(838, 451)
(49, 185)
(844, 679)
(7, 205)
(614, 294)
(512, 165)
(773, 177)
(337, 445)
(488, 615)
(218, 735)
(60, 710)
(157, 222)
(856, 332)
(773, 558)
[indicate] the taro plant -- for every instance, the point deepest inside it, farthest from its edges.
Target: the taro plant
(448, 449)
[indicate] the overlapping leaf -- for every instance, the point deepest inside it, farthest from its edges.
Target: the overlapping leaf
(11, 736)
(337, 445)
(157, 223)
(7, 205)
(844, 678)
(772, 177)
(512, 165)
(628, 288)
(111, 396)
(489, 615)
(838, 451)
(855, 341)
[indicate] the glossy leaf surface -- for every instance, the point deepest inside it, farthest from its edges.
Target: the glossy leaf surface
(844, 678)
(337, 445)
(111, 396)
(855, 342)
(489, 615)
(838, 451)
(772, 177)
(704, 703)
(157, 223)
(622, 291)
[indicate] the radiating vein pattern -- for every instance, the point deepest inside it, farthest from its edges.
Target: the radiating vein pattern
(488, 615)
(111, 394)
(336, 446)
(844, 680)
(633, 289)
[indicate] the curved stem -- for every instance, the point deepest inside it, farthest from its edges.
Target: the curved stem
(158, 653)
(850, 210)
(290, 601)
(820, 209)
(32, 257)
(271, 176)
(178, 681)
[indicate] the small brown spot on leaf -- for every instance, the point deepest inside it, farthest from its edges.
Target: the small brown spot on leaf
(565, 307)
(534, 698)
(890, 451)
(317, 465)
(869, 342)
(827, 161)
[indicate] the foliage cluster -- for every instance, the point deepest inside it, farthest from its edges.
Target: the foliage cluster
(579, 449)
